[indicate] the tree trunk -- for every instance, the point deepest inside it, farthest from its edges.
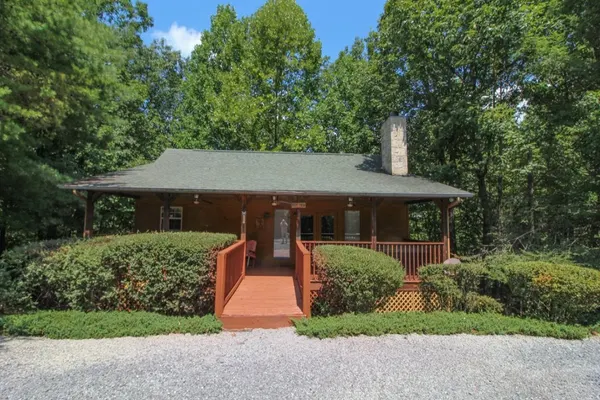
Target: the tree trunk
(499, 206)
(486, 210)
(530, 194)
(2, 238)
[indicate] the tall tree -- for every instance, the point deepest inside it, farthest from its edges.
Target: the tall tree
(349, 109)
(453, 66)
(59, 62)
(253, 82)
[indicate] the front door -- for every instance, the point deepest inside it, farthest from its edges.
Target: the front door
(281, 236)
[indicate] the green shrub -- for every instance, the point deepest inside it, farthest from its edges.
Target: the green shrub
(435, 323)
(555, 292)
(477, 303)
(554, 289)
(354, 279)
(14, 295)
(171, 273)
(458, 287)
(73, 277)
(95, 325)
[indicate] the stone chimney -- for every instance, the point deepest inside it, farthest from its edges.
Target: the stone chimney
(394, 146)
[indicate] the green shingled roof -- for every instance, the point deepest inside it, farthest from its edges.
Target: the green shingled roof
(205, 171)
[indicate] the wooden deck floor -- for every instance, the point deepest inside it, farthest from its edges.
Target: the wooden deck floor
(266, 298)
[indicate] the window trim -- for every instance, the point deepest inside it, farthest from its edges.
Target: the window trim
(160, 223)
(334, 234)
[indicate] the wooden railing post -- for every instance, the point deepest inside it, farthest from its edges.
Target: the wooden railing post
(445, 229)
(231, 270)
(303, 275)
(244, 258)
(220, 283)
(306, 257)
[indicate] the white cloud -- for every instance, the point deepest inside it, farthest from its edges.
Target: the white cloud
(180, 38)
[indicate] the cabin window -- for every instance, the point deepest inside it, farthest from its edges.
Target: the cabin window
(327, 227)
(281, 242)
(352, 225)
(307, 227)
(175, 218)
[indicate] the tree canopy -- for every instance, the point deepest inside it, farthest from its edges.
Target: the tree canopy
(502, 99)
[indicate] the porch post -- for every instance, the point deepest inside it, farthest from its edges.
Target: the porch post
(298, 227)
(373, 223)
(166, 212)
(243, 227)
(445, 228)
(88, 222)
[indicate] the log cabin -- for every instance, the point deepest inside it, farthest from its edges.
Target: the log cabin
(284, 205)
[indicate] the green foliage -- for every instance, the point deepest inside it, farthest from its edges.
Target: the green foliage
(14, 295)
(350, 109)
(354, 279)
(60, 63)
(476, 303)
(73, 277)
(457, 287)
(96, 325)
(555, 292)
(171, 273)
(517, 124)
(545, 286)
(252, 83)
(436, 323)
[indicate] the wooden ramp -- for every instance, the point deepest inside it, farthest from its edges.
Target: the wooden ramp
(266, 298)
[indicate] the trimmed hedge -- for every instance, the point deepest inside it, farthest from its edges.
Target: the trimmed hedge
(96, 325)
(171, 273)
(435, 323)
(354, 279)
(553, 289)
(73, 277)
(555, 292)
(14, 295)
(458, 287)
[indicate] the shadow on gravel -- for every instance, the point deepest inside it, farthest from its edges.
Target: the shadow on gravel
(6, 339)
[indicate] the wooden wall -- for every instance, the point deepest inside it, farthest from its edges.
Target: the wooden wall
(223, 214)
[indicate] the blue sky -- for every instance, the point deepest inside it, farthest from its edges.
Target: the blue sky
(336, 22)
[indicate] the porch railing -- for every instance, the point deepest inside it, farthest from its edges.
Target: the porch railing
(303, 275)
(231, 269)
(412, 255)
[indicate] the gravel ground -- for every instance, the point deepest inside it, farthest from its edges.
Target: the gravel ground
(277, 364)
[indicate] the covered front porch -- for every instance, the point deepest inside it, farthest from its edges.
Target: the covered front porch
(269, 294)
(282, 206)
(282, 281)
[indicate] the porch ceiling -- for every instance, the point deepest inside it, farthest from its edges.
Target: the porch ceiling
(204, 171)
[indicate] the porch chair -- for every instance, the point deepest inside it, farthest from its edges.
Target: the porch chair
(251, 252)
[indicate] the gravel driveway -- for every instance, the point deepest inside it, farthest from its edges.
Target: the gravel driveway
(277, 364)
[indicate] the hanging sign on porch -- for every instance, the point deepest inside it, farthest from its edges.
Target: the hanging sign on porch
(298, 205)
